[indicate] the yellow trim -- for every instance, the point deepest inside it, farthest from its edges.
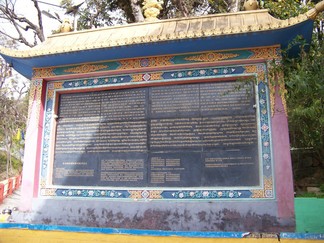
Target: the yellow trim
(36, 236)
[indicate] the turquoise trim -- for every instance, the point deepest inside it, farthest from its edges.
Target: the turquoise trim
(304, 236)
(138, 232)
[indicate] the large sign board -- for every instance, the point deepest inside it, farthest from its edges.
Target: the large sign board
(188, 135)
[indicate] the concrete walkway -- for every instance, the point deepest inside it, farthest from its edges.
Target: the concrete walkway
(11, 201)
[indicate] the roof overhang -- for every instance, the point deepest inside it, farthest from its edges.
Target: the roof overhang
(242, 30)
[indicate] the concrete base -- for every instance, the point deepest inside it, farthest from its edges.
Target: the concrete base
(175, 216)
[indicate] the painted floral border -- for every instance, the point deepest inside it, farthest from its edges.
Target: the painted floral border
(232, 71)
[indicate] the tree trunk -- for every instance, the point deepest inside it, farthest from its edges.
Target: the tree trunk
(137, 11)
(7, 171)
(182, 7)
(8, 151)
(234, 6)
(8, 155)
(10, 161)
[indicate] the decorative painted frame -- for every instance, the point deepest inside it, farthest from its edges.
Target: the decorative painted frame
(217, 71)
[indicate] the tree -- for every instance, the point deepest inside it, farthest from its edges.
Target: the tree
(95, 13)
(185, 8)
(13, 108)
(303, 76)
(306, 100)
(103, 13)
(13, 113)
(22, 25)
(5, 71)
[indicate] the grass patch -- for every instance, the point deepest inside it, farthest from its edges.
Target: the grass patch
(310, 195)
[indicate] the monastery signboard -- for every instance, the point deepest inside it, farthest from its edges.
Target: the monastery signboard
(171, 125)
(189, 135)
(199, 133)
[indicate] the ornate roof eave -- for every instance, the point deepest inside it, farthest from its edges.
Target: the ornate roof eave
(127, 40)
(164, 30)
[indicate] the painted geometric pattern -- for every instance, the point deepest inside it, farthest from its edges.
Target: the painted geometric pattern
(265, 53)
(266, 190)
(156, 76)
(86, 68)
(35, 93)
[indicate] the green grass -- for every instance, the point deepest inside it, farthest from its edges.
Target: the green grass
(309, 215)
(310, 195)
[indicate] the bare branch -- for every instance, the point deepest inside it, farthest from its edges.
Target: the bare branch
(181, 5)
(21, 38)
(7, 12)
(40, 29)
(9, 36)
(137, 11)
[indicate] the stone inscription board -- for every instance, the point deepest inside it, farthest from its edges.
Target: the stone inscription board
(192, 135)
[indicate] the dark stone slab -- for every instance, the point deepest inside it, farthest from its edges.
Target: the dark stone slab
(189, 135)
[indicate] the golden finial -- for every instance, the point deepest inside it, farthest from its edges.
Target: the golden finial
(319, 7)
(250, 5)
(66, 26)
(152, 9)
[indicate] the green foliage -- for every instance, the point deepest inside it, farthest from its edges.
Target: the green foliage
(305, 99)
(284, 9)
(305, 85)
(218, 6)
(304, 82)
(303, 77)
(3, 162)
(104, 13)
(13, 112)
(185, 8)
(16, 164)
(310, 194)
(66, 3)
(96, 13)
(306, 194)
(322, 188)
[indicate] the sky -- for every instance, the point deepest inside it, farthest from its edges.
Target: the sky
(26, 8)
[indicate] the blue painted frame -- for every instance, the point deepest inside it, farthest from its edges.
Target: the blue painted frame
(266, 189)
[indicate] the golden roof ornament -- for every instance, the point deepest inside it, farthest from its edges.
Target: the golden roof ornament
(66, 26)
(251, 5)
(152, 9)
(319, 7)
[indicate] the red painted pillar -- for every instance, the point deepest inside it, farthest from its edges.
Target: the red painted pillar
(282, 161)
(32, 145)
